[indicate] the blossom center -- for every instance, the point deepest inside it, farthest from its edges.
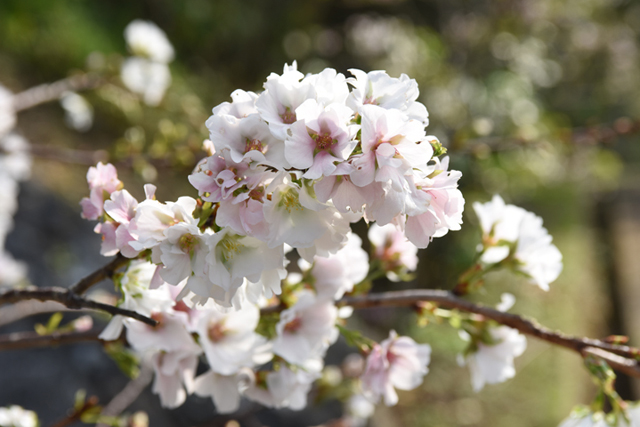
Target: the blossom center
(370, 100)
(158, 317)
(256, 194)
(216, 332)
(291, 200)
(253, 145)
(230, 246)
(187, 242)
(288, 117)
(294, 325)
(323, 141)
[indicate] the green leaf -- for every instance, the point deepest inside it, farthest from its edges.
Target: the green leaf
(126, 360)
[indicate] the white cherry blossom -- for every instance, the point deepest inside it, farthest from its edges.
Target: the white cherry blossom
(7, 111)
(146, 78)
(146, 39)
(229, 340)
(492, 364)
(306, 329)
(392, 248)
(284, 388)
(509, 230)
(378, 88)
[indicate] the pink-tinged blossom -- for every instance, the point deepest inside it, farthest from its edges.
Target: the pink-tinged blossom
(103, 180)
(378, 88)
(122, 209)
(393, 250)
(284, 388)
(395, 363)
(306, 330)
(492, 364)
(391, 146)
(243, 104)
(247, 140)
(510, 231)
(282, 95)
(244, 214)
(109, 245)
(229, 340)
(320, 138)
(174, 372)
(224, 390)
(436, 205)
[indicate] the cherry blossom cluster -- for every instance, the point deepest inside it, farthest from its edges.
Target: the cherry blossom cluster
(147, 71)
(295, 165)
(290, 169)
(15, 166)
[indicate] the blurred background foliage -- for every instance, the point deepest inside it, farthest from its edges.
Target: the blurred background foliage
(536, 100)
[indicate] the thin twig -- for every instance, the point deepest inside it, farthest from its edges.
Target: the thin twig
(129, 393)
(32, 306)
(448, 300)
(23, 340)
(99, 275)
(70, 300)
(52, 91)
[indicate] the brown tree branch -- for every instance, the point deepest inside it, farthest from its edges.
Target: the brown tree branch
(70, 300)
(52, 91)
(23, 340)
(28, 308)
(448, 300)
